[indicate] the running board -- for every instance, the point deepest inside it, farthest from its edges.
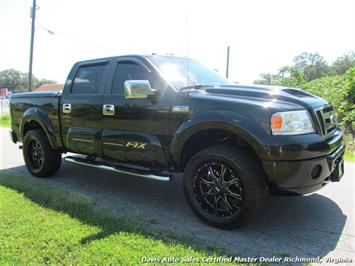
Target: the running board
(121, 170)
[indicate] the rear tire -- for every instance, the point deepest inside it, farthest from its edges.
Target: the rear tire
(40, 159)
(225, 187)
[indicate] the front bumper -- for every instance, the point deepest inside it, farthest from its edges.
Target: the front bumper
(305, 176)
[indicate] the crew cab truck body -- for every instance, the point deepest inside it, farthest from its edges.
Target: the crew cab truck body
(154, 116)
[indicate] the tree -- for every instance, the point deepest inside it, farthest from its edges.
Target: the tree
(312, 65)
(288, 76)
(266, 79)
(16, 80)
(12, 79)
(307, 67)
(343, 63)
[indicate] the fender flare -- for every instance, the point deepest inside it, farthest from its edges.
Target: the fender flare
(37, 115)
(234, 123)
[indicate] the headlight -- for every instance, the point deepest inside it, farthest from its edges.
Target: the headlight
(291, 123)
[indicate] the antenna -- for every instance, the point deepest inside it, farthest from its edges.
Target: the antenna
(227, 68)
(187, 50)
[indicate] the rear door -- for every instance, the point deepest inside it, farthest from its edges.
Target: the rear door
(137, 130)
(81, 110)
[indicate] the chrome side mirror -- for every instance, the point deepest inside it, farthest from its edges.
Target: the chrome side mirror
(137, 89)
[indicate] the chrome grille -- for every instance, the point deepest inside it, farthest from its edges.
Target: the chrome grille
(326, 119)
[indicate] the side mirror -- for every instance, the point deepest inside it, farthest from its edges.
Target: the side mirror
(138, 89)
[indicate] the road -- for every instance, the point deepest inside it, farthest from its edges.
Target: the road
(320, 224)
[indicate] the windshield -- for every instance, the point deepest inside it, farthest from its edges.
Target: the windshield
(183, 72)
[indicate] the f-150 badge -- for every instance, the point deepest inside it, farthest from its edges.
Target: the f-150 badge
(136, 145)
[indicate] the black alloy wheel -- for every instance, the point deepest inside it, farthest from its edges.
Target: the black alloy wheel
(218, 189)
(35, 155)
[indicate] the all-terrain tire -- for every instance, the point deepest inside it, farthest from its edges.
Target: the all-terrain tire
(40, 159)
(250, 185)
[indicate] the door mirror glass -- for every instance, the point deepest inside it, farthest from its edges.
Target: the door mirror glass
(137, 89)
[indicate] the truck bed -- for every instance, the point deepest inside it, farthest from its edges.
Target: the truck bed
(21, 104)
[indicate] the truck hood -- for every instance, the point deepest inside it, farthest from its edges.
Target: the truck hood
(292, 96)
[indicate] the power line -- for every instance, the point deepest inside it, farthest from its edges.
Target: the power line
(51, 32)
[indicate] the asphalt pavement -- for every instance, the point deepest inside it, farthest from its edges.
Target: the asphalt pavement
(320, 224)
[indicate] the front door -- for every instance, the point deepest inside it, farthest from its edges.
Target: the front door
(81, 108)
(136, 130)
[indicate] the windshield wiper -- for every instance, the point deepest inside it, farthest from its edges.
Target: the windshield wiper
(196, 87)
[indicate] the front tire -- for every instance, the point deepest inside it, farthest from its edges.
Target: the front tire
(40, 159)
(225, 187)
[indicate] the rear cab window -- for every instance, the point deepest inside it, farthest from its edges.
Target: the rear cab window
(89, 79)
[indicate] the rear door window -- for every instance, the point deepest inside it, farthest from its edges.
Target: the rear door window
(89, 80)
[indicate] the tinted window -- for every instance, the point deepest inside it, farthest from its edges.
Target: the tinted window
(129, 71)
(89, 80)
(182, 72)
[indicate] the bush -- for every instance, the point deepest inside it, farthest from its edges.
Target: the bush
(340, 92)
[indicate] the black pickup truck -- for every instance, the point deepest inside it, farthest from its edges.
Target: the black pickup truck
(157, 116)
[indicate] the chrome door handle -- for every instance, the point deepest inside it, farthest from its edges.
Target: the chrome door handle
(108, 109)
(66, 108)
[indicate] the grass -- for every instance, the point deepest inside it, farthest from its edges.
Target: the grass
(349, 156)
(40, 224)
(5, 121)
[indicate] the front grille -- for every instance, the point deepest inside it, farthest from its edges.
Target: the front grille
(326, 119)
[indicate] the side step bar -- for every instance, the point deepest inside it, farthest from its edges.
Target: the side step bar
(121, 170)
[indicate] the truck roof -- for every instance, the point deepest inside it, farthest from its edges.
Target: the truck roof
(137, 56)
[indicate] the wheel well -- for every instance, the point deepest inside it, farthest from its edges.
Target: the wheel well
(31, 125)
(213, 137)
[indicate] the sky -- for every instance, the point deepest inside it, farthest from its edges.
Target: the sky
(262, 35)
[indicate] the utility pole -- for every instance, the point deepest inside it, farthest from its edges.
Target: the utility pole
(227, 69)
(33, 16)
